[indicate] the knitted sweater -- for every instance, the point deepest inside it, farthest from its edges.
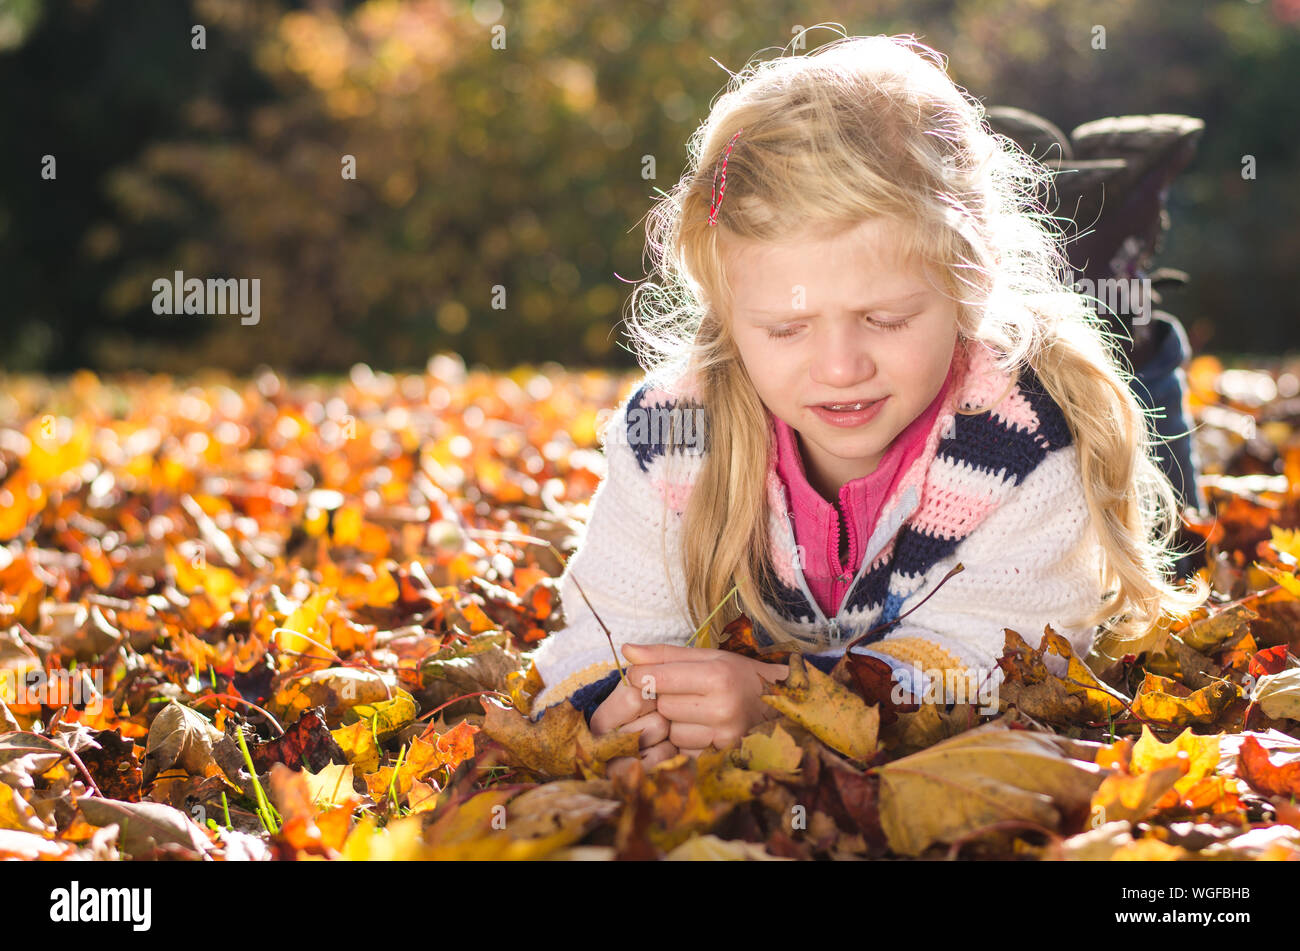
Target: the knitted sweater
(999, 491)
(817, 523)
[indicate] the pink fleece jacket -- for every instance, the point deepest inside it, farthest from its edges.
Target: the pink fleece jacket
(817, 521)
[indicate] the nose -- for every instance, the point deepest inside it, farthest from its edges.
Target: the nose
(843, 359)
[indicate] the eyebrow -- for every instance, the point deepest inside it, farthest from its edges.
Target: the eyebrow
(892, 301)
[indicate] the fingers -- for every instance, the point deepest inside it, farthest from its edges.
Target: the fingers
(674, 677)
(621, 768)
(653, 728)
(622, 706)
(693, 753)
(690, 735)
(658, 753)
(690, 708)
(663, 653)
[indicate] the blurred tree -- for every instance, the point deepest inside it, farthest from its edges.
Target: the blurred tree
(499, 154)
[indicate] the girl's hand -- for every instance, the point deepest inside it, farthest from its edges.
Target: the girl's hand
(710, 697)
(627, 710)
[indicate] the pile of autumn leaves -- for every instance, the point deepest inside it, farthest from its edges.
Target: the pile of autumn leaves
(357, 697)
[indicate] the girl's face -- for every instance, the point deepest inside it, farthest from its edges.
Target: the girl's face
(840, 320)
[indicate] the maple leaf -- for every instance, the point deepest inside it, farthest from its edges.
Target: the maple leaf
(829, 710)
(559, 744)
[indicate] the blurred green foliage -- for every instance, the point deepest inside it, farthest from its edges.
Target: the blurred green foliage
(499, 150)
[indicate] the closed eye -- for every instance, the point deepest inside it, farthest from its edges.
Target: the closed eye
(776, 332)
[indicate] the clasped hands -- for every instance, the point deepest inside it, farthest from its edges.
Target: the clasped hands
(685, 699)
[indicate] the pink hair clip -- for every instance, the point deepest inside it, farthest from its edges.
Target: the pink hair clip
(718, 191)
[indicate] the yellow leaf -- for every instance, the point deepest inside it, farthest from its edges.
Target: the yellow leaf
(710, 848)
(777, 752)
(1131, 798)
(1286, 540)
(306, 620)
(1156, 701)
(358, 745)
(828, 710)
(1289, 582)
(985, 775)
(401, 840)
(332, 786)
(387, 716)
(1198, 754)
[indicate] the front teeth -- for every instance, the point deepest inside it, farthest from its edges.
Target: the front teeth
(843, 407)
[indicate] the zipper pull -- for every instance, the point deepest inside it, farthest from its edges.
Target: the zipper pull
(835, 629)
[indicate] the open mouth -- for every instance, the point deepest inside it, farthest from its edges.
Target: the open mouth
(853, 414)
(848, 407)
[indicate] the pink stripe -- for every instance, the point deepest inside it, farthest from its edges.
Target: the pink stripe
(676, 494)
(950, 514)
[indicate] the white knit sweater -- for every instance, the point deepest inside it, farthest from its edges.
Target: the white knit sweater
(1001, 492)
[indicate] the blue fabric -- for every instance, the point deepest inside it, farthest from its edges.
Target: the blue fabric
(1161, 384)
(588, 698)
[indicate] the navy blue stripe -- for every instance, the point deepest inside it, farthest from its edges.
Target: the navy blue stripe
(916, 552)
(790, 603)
(989, 446)
(869, 593)
(588, 698)
(1053, 428)
(652, 446)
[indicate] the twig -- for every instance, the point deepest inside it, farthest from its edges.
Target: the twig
(478, 693)
(888, 624)
(230, 696)
(67, 751)
(388, 693)
(519, 536)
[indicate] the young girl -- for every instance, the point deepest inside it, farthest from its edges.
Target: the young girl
(867, 365)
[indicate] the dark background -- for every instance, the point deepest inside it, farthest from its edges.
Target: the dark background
(521, 168)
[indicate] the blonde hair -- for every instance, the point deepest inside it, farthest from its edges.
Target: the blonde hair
(865, 128)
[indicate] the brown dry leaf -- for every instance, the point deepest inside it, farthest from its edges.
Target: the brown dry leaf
(146, 825)
(1078, 697)
(986, 775)
(459, 669)
(180, 736)
(570, 805)
(1191, 666)
(830, 711)
(928, 725)
(559, 744)
(1207, 633)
